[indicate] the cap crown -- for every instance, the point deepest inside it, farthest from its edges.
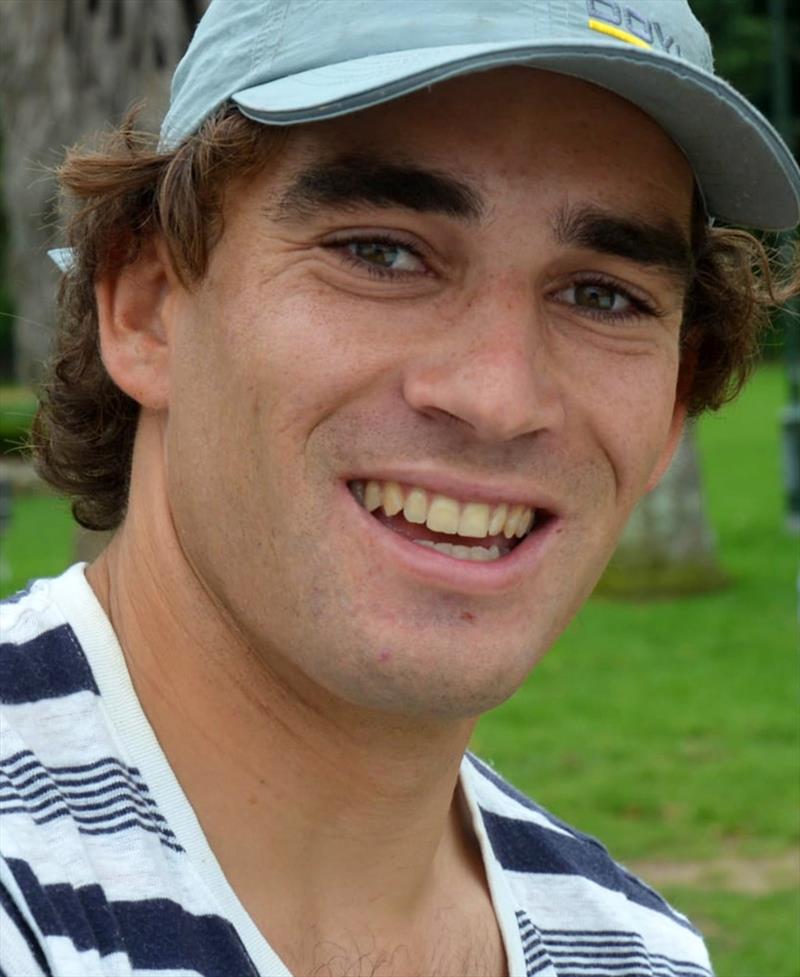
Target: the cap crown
(240, 44)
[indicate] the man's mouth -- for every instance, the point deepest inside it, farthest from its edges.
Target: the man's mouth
(476, 531)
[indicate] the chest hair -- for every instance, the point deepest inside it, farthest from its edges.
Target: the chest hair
(456, 950)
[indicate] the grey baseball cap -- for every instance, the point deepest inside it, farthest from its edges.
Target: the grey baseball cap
(285, 62)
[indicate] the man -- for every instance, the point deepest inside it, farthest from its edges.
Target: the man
(367, 363)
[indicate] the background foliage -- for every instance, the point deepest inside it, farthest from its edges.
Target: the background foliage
(6, 303)
(742, 37)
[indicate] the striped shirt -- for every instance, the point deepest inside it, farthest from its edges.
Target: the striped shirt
(104, 869)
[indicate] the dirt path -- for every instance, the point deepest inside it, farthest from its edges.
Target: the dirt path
(732, 873)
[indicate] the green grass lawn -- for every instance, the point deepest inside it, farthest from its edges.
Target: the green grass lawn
(17, 407)
(39, 540)
(669, 729)
(747, 935)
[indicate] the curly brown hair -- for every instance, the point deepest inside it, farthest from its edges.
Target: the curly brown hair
(119, 195)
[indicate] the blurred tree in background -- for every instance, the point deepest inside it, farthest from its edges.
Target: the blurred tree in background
(6, 305)
(669, 546)
(742, 36)
(69, 68)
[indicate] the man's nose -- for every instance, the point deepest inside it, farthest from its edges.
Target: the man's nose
(493, 369)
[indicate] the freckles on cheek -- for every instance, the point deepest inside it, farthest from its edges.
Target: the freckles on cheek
(637, 389)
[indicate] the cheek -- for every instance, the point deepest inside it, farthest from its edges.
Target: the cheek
(211, 432)
(628, 403)
(318, 352)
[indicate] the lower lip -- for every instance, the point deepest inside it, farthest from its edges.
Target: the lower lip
(447, 572)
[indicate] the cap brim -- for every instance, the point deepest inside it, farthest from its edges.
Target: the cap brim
(743, 167)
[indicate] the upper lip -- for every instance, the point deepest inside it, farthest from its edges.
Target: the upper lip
(464, 489)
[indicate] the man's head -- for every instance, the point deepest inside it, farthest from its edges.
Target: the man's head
(499, 290)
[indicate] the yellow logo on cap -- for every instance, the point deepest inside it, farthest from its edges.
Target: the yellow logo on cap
(603, 28)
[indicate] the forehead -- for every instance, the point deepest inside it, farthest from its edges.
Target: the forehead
(515, 131)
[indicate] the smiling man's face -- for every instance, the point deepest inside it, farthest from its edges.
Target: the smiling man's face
(465, 300)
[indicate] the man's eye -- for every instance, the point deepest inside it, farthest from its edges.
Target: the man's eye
(383, 257)
(604, 298)
(592, 295)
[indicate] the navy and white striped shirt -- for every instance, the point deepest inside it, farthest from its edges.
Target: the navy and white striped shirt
(106, 871)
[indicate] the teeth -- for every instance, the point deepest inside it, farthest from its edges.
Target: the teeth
(482, 554)
(512, 521)
(392, 498)
(416, 507)
(498, 519)
(442, 514)
(474, 520)
(372, 496)
(525, 523)
(478, 554)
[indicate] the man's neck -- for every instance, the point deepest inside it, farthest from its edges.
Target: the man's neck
(316, 810)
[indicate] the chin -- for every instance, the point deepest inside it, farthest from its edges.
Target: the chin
(458, 681)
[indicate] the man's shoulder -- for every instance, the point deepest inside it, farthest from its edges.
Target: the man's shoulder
(527, 838)
(62, 758)
(59, 755)
(92, 877)
(40, 655)
(571, 897)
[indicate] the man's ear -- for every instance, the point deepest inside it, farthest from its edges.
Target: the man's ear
(133, 308)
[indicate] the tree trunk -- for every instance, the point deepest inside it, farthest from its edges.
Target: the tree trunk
(668, 548)
(68, 68)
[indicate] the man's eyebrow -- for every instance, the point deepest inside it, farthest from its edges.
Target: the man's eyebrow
(352, 180)
(662, 244)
